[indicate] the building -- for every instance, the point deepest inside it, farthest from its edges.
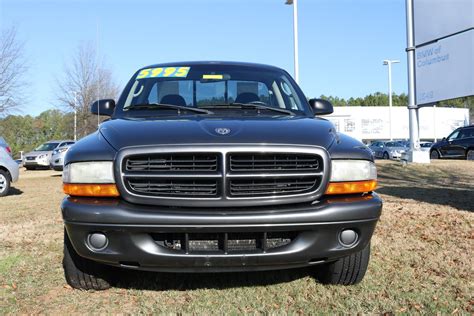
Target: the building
(368, 123)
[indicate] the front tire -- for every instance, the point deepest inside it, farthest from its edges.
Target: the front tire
(347, 270)
(434, 154)
(385, 155)
(4, 183)
(82, 273)
(470, 154)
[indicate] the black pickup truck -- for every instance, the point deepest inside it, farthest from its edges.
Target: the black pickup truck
(216, 167)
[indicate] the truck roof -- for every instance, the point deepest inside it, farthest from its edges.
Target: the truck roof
(224, 63)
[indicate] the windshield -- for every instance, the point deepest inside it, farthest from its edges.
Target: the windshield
(216, 87)
(46, 147)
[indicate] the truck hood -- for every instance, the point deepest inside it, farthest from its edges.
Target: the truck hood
(121, 133)
(37, 153)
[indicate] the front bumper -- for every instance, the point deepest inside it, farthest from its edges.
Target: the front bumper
(131, 229)
(36, 163)
(57, 162)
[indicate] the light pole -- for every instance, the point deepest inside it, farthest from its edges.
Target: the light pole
(75, 115)
(389, 63)
(295, 37)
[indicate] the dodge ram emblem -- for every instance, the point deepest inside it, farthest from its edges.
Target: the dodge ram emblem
(222, 130)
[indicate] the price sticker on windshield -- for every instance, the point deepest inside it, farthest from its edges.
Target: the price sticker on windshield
(167, 72)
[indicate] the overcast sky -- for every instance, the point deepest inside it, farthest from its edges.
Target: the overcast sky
(342, 42)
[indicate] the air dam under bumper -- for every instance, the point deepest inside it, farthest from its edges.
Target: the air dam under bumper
(132, 231)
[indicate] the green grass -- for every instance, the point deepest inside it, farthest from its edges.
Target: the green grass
(421, 259)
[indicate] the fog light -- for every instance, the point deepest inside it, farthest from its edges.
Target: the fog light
(348, 237)
(97, 241)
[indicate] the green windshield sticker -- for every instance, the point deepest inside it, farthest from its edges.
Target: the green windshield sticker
(171, 72)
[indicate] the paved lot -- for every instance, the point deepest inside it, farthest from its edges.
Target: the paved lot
(421, 258)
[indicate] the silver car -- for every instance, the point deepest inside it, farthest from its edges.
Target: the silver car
(57, 158)
(388, 150)
(41, 156)
(8, 171)
(5, 146)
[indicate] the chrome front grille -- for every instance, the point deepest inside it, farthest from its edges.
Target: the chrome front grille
(224, 175)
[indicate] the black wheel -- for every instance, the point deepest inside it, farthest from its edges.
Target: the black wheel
(345, 271)
(4, 182)
(82, 273)
(434, 154)
(470, 154)
(385, 155)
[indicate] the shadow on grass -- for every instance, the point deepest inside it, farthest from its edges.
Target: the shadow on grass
(159, 281)
(14, 191)
(457, 198)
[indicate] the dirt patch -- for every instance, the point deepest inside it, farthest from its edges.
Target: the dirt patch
(421, 258)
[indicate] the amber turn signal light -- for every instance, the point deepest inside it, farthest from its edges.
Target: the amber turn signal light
(351, 187)
(97, 190)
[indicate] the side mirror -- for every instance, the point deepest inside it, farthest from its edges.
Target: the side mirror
(444, 138)
(320, 106)
(103, 107)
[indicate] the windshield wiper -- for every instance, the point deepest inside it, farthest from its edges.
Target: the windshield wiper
(250, 106)
(161, 106)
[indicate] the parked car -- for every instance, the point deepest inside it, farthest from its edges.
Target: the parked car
(425, 146)
(57, 157)
(388, 150)
(8, 171)
(41, 156)
(5, 146)
(459, 144)
(214, 167)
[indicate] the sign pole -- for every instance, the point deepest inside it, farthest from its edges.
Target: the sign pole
(412, 107)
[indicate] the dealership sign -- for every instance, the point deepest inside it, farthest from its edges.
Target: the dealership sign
(444, 54)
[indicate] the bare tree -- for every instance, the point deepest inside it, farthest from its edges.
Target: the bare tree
(85, 80)
(12, 70)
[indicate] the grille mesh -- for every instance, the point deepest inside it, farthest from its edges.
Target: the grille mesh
(271, 187)
(172, 162)
(273, 162)
(224, 242)
(176, 187)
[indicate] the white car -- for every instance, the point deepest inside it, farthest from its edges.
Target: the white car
(41, 156)
(9, 171)
(57, 158)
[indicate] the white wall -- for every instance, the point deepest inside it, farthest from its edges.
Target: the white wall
(372, 122)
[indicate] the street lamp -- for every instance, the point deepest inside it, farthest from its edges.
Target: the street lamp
(75, 114)
(295, 36)
(388, 62)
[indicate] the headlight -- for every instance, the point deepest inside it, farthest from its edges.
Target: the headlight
(61, 150)
(89, 172)
(41, 157)
(94, 178)
(352, 176)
